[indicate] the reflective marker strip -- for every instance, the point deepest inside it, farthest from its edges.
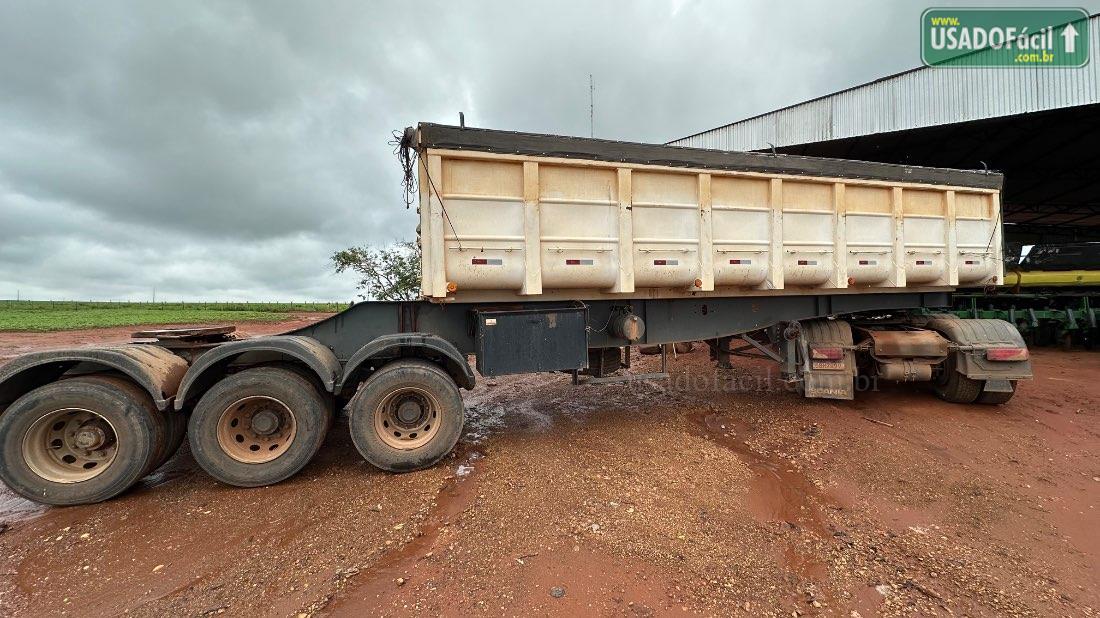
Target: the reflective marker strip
(924, 262)
(971, 262)
(1007, 354)
(666, 262)
(579, 262)
(868, 262)
(807, 262)
(827, 353)
(740, 261)
(487, 262)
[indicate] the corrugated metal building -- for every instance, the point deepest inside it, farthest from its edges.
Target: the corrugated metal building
(1038, 124)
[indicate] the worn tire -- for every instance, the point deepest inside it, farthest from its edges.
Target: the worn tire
(162, 428)
(996, 398)
(130, 413)
(177, 429)
(308, 409)
(392, 380)
(953, 386)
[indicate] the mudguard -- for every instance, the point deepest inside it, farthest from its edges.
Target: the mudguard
(417, 345)
(983, 334)
(833, 383)
(155, 369)
(307, 350)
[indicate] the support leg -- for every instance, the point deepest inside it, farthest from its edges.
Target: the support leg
(722, 352)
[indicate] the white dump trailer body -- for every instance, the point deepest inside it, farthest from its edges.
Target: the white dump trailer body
(516, 216)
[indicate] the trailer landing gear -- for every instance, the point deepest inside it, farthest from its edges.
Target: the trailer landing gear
(407, 416)
(259, 426)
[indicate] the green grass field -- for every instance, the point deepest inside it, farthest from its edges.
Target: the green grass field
(34, 315)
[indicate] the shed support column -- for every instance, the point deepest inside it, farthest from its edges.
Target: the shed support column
(951, 243)
(438, 248)
(625, 283)
(897, 276)
(840, 238)
(776, 255)
(532, 234)
(706, 236)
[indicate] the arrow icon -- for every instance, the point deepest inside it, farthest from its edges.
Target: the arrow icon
(1069, 36)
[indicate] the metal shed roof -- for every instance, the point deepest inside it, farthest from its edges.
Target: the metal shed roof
(921, 97)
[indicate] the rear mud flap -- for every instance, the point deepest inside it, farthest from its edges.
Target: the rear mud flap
(827, 379)
(997, 386)
(829, 385)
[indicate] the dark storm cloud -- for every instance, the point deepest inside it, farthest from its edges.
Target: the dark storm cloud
(224, 150)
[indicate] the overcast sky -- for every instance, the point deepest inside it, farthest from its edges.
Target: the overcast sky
(223, 150)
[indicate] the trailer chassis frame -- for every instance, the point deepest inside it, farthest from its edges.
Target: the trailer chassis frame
(666, 320)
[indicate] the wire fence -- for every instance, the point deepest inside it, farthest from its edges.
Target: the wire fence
(268, 306)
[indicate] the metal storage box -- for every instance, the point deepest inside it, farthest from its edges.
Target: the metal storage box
(530, 341)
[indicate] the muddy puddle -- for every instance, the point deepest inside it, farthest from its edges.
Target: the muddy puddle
(15, 508)
(411, 564)
(778, 496)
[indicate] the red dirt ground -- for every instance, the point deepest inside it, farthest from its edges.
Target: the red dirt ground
(715, 493)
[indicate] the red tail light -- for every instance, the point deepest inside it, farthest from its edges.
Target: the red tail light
(1006, 354)
(826, 353)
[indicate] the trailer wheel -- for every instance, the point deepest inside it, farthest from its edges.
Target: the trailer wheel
(160, 422)
(997, 398)
(258, 427)
(78, 441)
(176, 430)
(953, 386)
(407, 416)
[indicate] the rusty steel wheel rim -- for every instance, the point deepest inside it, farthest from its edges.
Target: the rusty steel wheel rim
(256, 429)
(408, 418)
(70, 445)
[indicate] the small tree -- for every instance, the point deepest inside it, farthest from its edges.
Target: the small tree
(388, 273)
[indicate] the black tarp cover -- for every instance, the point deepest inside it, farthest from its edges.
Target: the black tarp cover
(446, 137)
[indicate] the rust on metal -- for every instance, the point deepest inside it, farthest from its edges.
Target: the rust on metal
(257, 429)
(152, 367)
(188, 343)
(907, 343)
(199, 332)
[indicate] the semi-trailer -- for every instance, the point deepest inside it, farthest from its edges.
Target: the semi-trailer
(545, 253)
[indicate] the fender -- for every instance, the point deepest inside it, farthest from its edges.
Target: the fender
(833, 383)
(212, 364)
(155, 369)
(983, 333)
(413, 345)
